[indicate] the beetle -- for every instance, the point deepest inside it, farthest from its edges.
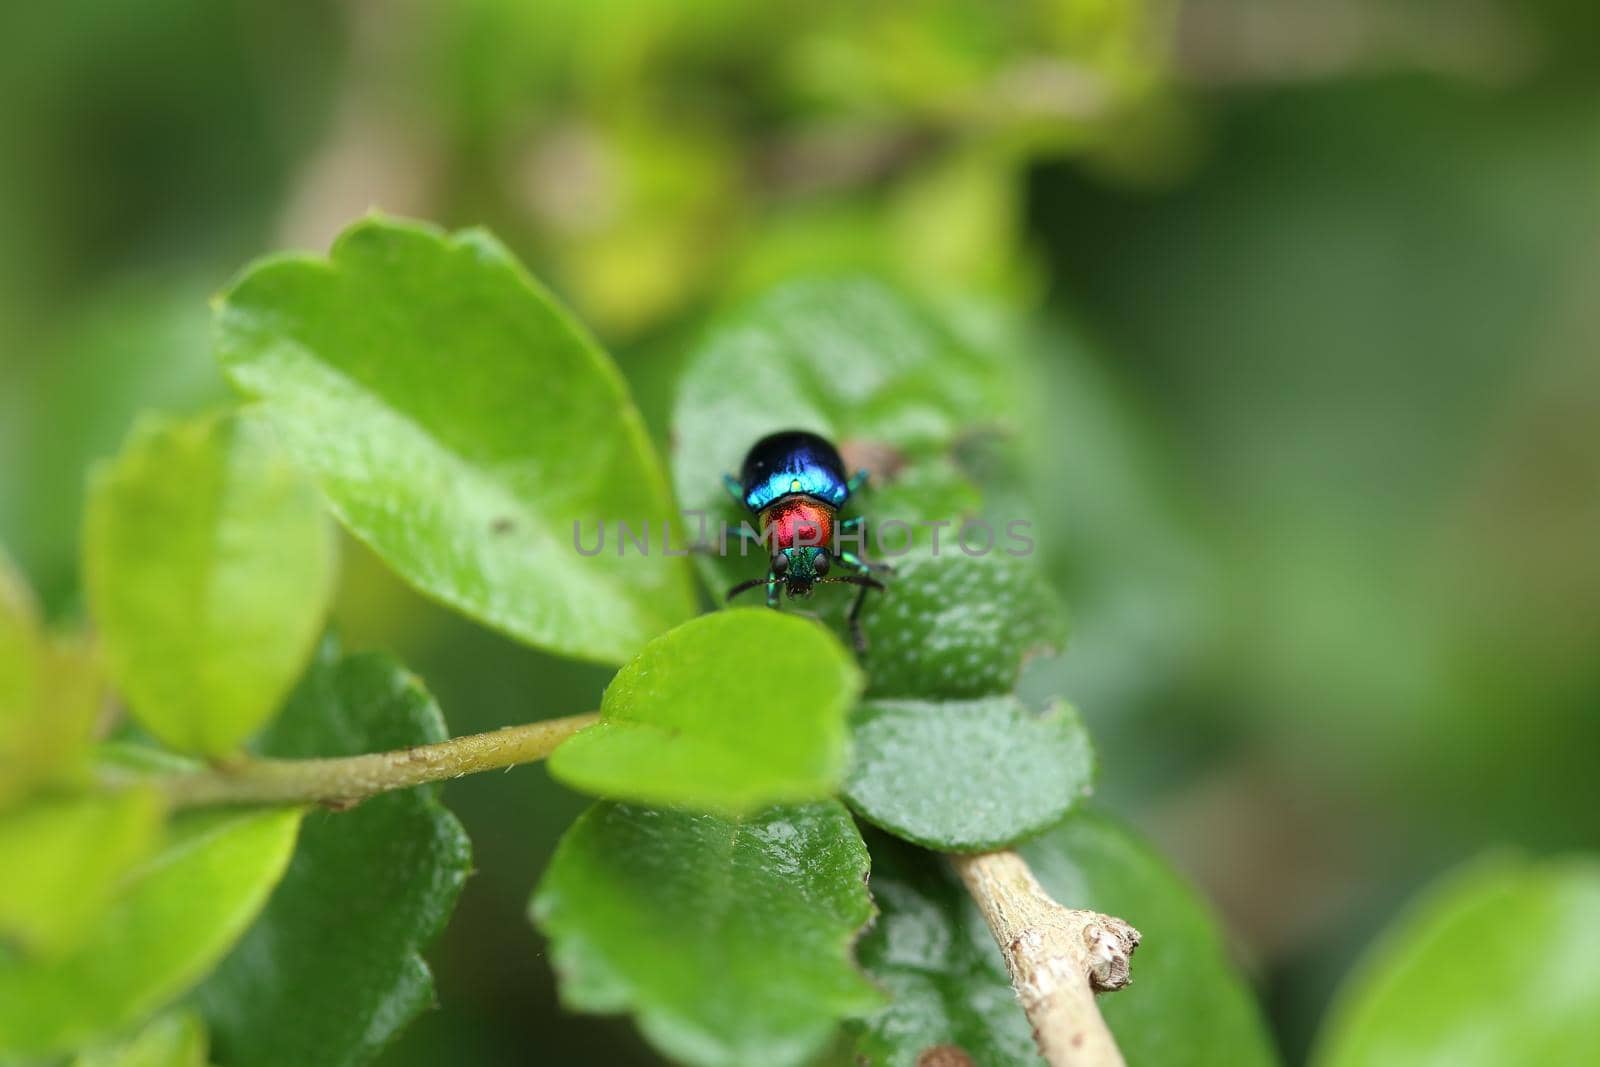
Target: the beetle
(794, 483)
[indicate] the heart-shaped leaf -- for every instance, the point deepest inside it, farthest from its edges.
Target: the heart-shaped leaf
(731, 712)
(1495, 966)
(729, 940)
(209, 564)
(177, 915)
(966, 776)
(319, 979)
(463, 425)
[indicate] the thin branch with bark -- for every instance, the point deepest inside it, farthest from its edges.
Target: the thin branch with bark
(1058, 957)
(343, 782)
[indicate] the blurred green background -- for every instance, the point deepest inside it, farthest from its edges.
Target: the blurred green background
(1313, 287)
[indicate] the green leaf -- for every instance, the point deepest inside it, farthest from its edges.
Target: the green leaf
(19, 638)
(853, 361)
(177, 915)
(64, 859)
(209, 565)
(956, 626)
(172, 1040)
(1494, 966)
(728, 940)
(462, 424)
(730, 712)
(319, 979)
(1187, 1006)
(48, 745)
(967, 776)
(931, 952)
(50, 694)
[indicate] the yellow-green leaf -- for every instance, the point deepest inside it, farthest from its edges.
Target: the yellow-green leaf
(19, 638)
(50, 691)
(209, 564)
(174, 1040)
(64, 858)
(1496, 966)
(177, 915)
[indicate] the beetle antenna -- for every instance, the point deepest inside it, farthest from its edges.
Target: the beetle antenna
(853, 579)
(744, 587)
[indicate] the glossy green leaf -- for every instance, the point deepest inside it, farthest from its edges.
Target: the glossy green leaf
(1495, 966)
(209, 565)
(173, 1040)
(332, 971)
(730, 712)
(967, 776)
(65, 858)
(177, 915)
(1187, 1006)
(729, 941)
(931, 952)
(853, 361)
(463, 424)
(955, 626)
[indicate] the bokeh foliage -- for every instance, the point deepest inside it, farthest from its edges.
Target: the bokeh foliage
(1311, 310)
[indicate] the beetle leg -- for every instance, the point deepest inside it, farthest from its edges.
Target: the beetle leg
(858, 636)
(734, 488)
(861, 566)
(858, 525)
(774, 587)
(857, 482)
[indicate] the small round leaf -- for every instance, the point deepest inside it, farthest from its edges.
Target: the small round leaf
(954, 626)
(967, 776)
(729, 940)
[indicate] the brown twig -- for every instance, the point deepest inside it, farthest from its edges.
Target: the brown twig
(1058, 957)
(346, 781)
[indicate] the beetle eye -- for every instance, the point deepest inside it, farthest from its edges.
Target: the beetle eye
(780, 562)
(820, 563)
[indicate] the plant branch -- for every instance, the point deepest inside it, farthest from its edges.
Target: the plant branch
(346, 781)
(1058, 957)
